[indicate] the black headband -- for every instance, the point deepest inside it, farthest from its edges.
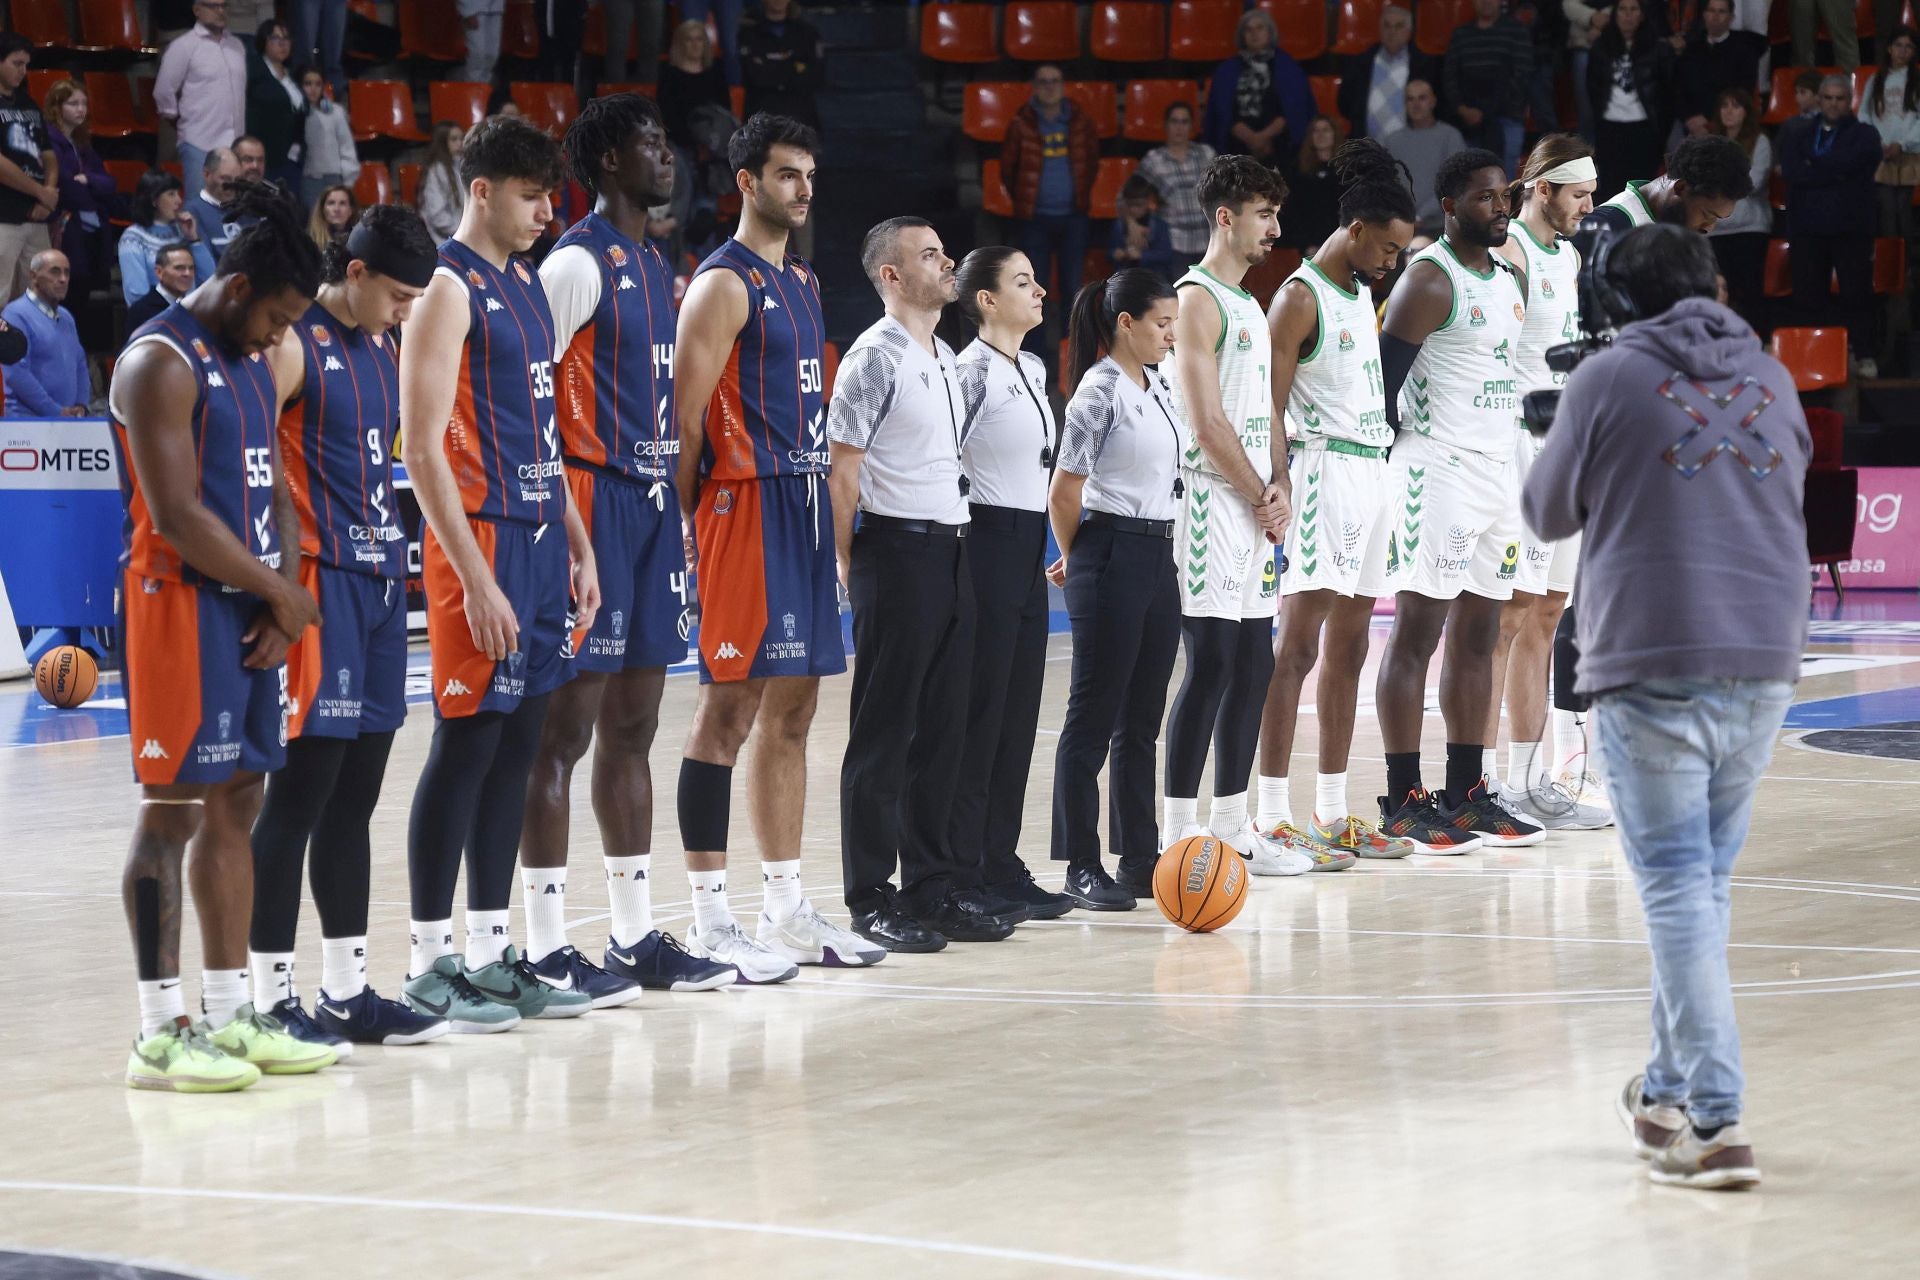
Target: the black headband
(382, 255)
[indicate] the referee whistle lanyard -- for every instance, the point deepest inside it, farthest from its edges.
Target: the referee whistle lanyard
(1154, 383)
(959, 457)
(1040, 411)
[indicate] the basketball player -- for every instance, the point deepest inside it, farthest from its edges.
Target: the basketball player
(753, 487)
(1554, 193)
(338, 373)
(1447, 353)
(612, 298)
(210, 601)
(1230, 515)
(1705, 179)
(1325, 351)
(481, 445)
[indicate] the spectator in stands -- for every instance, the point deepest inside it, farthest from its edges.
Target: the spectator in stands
(482, 20)
(29, 173)
(624, 19)
(1049, 160)
(1630, 78)
(780, 63)
(252, 155)
(1584, 23)
(330, 157)
(1891, 104)
(1715, 58)
(726, 20)
(216, 188)
(1174, 169)
(276, 105)
(1740, 241)
(88, 195)
(1842, 28)
(319, 39)
(334, 213)
(1139, 237)
(561, 26)
(1373, 85)
(202, 88)
(690, 80)
(1260, 98)
(172, 281)
(158, 221)
(441, 198)
(1546, 24)
(1313, 193)
(52, 381)
(1423, 146)
(1487, 74)
(1829, 163)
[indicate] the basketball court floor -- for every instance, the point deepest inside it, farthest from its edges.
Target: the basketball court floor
(1402, 1070)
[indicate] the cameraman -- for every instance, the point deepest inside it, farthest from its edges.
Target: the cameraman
(1682, 453)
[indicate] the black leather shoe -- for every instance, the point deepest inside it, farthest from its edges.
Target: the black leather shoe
(895, 930)
(1137, 881)
(1092, 888)
(1040, 903)
(989, 903)
(956, 923)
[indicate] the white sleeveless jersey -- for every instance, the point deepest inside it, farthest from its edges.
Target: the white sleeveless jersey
(1338, 390)
(1553, 308)
(1462, 390)
(1243, 350)
(1634, 205)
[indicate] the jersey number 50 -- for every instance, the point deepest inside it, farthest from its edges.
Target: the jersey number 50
(810, 380)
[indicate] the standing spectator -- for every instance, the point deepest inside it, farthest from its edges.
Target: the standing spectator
(319, 38)
(158, 221)
(780, 62)
(1891, 104)
(1740, 241)
(1829, 163)
(205, 205)
(726, 21)
(690, 80)
(51, 382)
(88, 198)
(1139, 237)
(1174, 169)
(1841, 27)
(1423, 146)
(1630, 77)
(1714, 58)
(1546, 22)
(1313, 194)
(482, 20)
(442, 198)
(202, 88)
(1258, 94)
(276, 106)
(561, 26)
(1049, 160)
(1373, 85)
(625, 18)
(172, 281)
(334, 213)
(29, 173)
(1487, 74)
(1585, 22)
(330, 156)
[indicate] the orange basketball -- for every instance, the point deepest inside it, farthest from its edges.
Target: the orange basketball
(1200, 884)
(66, 675)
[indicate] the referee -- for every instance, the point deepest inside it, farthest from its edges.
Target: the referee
(894, 424)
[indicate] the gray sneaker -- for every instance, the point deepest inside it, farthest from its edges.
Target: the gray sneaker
(1653, 1126)
(1552, 806)
(444, 992)
(1723, 1162)
(511, 981)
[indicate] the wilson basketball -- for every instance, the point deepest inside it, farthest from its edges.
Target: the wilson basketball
(1200, 884)
(66, 675)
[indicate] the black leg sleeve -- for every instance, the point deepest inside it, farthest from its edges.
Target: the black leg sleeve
(297, 795)
(341, 870)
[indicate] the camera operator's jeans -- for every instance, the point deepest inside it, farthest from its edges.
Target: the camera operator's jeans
(1683, 760)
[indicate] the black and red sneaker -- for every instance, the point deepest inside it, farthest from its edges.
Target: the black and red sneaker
(1479, 814)
(1417, 818)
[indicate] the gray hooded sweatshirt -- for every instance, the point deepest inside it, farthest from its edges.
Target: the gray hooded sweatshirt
(1682, 452)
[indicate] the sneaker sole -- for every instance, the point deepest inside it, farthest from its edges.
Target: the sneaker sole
(1448, 850)
(725, 978)
(563, 1011)
(190, 1084)
(462, 1027)
(615, 999)
(1254, 868)
(1708, 1179)
(412, 1037)
(825, 957)
(1491, 841)
(294, 1067)
(939, 943)
(1089, 905)
(1050, 913)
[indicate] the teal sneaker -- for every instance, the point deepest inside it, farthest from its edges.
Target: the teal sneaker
(444, 992)
(512, 982)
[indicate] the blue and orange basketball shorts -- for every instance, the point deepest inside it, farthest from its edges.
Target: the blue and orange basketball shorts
(348, 676)
(769, 604)
(530, 564)
(644, 616)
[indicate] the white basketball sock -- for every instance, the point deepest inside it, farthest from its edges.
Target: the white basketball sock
(1523, 764)
(162, 1005)
(431, 939)
(710, 909)
(546, 907)
(272, 978)
(1275, 805)
(488, 934)
(1227, 814)
(780, 886)
(343, 967)
(630, 893)
(1569, 738)
(1330, 797)
(222, 992)
(1181, 812)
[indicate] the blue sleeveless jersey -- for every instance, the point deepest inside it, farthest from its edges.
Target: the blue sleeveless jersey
(768, 413)
(502, 441)
(233, 431)
(615, 392)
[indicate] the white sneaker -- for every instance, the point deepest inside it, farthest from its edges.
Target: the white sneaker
(1184, 833)
(1723, 1162)
(1283, 851)
(1551, 806)
(1584, 786)
(808, 938)
(729, 944)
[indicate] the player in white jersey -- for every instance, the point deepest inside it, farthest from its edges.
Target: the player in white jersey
(1231, 513)
(1554, 192)
(1325, 351)
(1447, 353)
(1706, 179)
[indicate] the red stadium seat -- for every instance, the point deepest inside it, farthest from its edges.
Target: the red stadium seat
(1777, 279)
(374, 185)
(44, 22)
(1042, 31)
(993, 190)
(1777, 190)
(431, 29)
(552, 106)
(116, 111)
(627, 86)
(1202, 30)
(1303, 25)
(1114, 171)
(1817, 358)
(989, 107)
(1128, 31)
(1326, 97)
(41, 79)
(1434, 21)
(112, 25)
(126, 174)
(1861, 74)
(1100, 101)
(957, 32)
(737, 99)
(462, 101)
(1780, 104)
(1146, 107)
(1356, 27)
(382, 109)
(1889, 265)
(409, 183)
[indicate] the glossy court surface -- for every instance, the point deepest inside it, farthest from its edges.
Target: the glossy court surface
(1402, 1070)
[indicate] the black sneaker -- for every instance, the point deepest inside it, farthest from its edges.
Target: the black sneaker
(1137, 881)
(956, 923)
(1092, 888)
(1040, 904)
(989, 903)
(1417, 818)
(1478, 813)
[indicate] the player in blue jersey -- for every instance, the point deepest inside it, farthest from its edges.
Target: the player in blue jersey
(338, 372)
(210, 601)
(611, 294)
(750, 401)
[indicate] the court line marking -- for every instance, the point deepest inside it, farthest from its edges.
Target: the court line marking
(624, 1218)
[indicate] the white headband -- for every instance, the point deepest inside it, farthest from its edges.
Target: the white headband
(1578, 170)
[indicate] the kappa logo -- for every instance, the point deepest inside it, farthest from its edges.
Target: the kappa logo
(455, 689)
(344, 678)
(768, 304)
(152, 750)
(727, 650)
(333, 365)
(321, 336)
(493, 304)
(1476, 317)
(626, 282)
(1346, 339)
(215, 380)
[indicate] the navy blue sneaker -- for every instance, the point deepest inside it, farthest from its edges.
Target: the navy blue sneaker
(568, 970)
(370, 1018)
(302, 1026)
(659, 963)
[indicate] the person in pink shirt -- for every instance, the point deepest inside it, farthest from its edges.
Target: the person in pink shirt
(202, 88)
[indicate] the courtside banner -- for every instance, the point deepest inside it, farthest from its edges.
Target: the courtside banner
(1886, 538)
(61, 509)
(57, 453)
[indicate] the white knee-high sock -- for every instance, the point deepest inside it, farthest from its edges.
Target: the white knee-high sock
(1275, 806)
(630, 894)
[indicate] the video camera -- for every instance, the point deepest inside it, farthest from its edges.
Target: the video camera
(1604, 307)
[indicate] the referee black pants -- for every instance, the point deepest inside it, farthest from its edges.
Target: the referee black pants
(1006, 551)
(912, 658)
(1125, 609)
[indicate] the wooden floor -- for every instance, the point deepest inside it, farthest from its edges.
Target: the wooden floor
(1403, 1070)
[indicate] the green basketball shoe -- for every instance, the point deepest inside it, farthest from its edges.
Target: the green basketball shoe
(444, 992)
(511, 981)
(262, 1039)
(183, 1060)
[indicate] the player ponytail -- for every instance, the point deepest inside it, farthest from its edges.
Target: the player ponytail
(275, 252)
(979, 272)
(1097, 310)
(1547, 155)
(1375, 188)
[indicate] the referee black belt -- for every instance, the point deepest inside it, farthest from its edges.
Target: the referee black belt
(897, 524)
(1129, 524)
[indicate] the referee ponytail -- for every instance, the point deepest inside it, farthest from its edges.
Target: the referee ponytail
(1375, 188)
(1097, 310)
(979, 272)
